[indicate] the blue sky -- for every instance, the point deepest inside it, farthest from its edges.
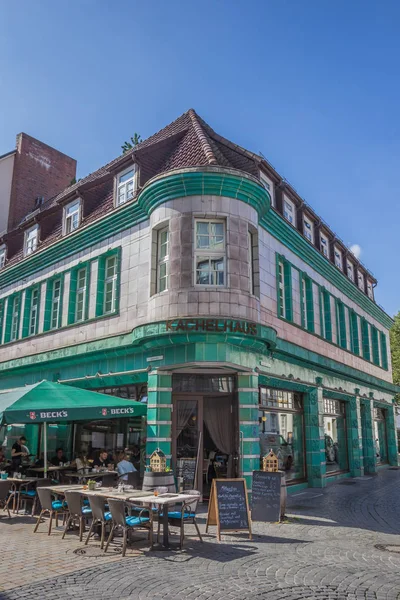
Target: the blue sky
(313, 85)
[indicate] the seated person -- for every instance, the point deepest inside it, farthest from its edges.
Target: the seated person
(124, 467)
(40, 461)
(82, 462)
(103, 460)
(58, 458)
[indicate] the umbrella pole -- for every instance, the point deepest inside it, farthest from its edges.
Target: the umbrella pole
(45, 448)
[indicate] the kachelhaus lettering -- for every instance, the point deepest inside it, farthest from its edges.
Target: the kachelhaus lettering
(212, 325)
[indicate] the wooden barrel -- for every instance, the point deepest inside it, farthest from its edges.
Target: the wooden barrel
(151, 481)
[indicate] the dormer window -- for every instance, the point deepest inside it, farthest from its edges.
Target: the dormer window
(308, 229)
(350, 270)
(31, 240)
(370, 289)
(72, 216)
(2, 256)
(289, 211)
(361, 283)
(338, 259)
(126, 185)
(324, 243)
(268, 185)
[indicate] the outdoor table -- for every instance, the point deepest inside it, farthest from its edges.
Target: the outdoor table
(91, 475)
(16, 485)
(163, 501)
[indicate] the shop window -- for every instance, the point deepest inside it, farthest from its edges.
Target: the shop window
(336, 455)
(162, 259)
(107, 300)
(284, 288)
(324, 244)
(307, 303)
(289, 211)
(308, 229)
(380, 438)
(126, 184)
(210, 253)
(72, 216)
(281, 429)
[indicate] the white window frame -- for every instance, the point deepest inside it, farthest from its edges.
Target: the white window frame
(361, 280)
(370, 289)
(123, 186)
(338, 261)
(289, 210)
(281, 287)
(308, 229)
(324, 244)
(73, 220)
(110, 280)
(210, 254)
(55, 303)
(31, 240)
(268, 185)
(81, 292)
(304, 302)
(34, 312)
(350, 270)
(162, 261)
(3, 251)
(16, 307)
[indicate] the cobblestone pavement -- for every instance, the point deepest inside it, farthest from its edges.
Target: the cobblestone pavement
(325, 551)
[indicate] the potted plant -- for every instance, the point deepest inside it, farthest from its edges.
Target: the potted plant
(91, 484)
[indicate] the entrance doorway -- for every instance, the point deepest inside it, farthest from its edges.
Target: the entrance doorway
(205, 432)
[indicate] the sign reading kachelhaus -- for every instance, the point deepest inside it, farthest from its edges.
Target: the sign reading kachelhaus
(212, 325)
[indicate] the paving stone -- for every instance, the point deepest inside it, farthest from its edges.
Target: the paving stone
(325, 551)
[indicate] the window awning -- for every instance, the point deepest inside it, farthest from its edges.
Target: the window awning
(58, 403)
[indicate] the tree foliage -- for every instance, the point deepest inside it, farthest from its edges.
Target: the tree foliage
(135, 140)
(395, 349)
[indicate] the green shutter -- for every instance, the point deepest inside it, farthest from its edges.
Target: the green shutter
(26, 313)
(7, 334)
(2, 319)
(72, 297)
(355, 338)
(327, 314)
(375, 346)
(341, 325)
(384, 356)
(310, 304)
(288, 290)
(365, 339)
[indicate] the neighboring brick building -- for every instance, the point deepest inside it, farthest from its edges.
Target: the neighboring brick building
(188, 271)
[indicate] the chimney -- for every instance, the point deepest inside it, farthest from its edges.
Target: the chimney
(40, 171)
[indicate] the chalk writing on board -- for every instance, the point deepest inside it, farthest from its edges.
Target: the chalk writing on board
(232, 507)
(266, 496)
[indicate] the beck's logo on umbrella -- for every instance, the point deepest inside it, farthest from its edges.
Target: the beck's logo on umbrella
(32, 415)
(104, 412)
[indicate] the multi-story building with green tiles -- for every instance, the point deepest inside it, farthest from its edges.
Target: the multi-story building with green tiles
(187, 272)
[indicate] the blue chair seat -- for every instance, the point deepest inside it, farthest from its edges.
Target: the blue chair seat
(58, 505)
(107, 516)
(176, 514)
(135, 521)
(86, 502)
(30, 493)
(86, 510)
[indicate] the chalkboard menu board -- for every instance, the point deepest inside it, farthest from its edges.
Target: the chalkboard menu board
(187, 470)
(228, 507)
(266, 496)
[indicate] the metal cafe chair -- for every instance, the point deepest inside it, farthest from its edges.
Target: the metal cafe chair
(186, 515)
(53, 507)
(127, 523)
(76, 512)
(30, 493)
(4, 496)
(101, 516)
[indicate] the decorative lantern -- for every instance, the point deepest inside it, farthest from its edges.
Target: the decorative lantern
(158, 461)
(270, 462)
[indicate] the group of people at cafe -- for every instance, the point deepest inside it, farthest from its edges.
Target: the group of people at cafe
(121, 461)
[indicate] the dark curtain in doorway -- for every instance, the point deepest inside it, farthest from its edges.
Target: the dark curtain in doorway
(218, 419)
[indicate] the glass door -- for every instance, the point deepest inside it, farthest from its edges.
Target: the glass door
(187, 444)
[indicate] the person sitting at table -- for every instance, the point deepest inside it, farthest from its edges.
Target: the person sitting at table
(39, 463)
(58, 458)
(103, 459)
(82, 462)
(124, 467)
